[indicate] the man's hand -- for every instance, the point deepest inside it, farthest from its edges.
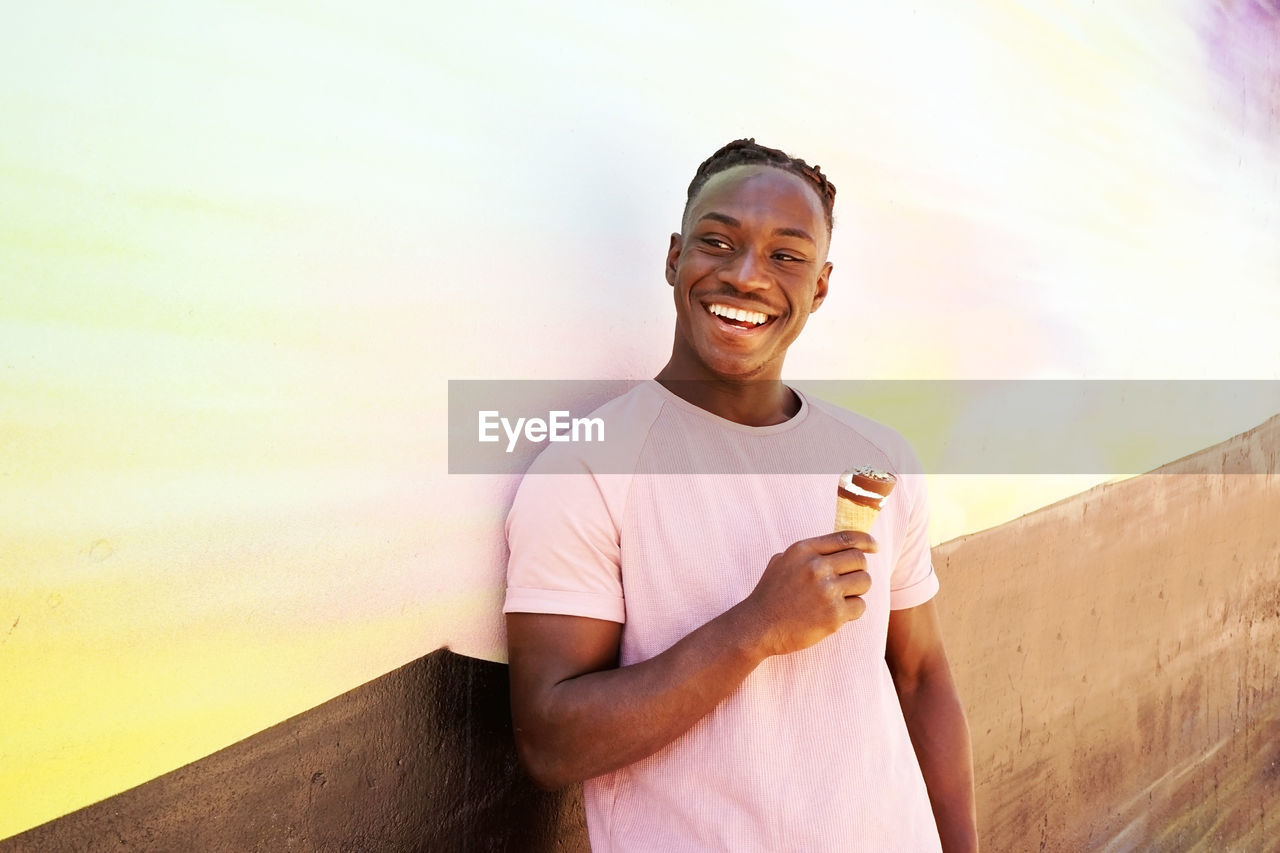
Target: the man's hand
(809, 590)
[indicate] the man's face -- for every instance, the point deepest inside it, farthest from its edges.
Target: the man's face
(754, 240)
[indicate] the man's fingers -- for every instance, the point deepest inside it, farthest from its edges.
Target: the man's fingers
(844, 562)
(842, 540)
(854, 607)
(852, 587)
(854, 583)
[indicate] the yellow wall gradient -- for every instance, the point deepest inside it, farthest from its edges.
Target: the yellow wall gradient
(244, 247)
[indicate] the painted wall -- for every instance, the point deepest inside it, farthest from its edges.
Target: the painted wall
(243, 247)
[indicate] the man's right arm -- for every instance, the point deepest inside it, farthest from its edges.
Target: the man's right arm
(577, 714)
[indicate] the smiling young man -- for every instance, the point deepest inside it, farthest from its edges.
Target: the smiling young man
(683, 634)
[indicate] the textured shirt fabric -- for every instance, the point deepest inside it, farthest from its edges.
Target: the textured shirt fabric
(811, 752)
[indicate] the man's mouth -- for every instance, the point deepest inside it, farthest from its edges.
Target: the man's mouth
(737, 317)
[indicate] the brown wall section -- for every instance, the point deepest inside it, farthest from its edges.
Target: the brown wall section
(1118, 654)
(419, 760)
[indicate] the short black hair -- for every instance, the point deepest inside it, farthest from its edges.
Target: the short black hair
(747, 152)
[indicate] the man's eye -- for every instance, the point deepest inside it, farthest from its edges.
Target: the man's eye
(715, 242)
(783, 256)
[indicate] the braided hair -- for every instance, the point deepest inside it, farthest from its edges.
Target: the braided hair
(748, 151)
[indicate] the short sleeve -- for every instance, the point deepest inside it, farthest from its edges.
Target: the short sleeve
(564, 542)
(914, 581)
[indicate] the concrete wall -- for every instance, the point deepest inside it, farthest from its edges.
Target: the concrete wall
(419, 760)
(1117, 652)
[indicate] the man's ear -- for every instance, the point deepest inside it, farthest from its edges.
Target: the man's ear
(673, 258)
(820, 293)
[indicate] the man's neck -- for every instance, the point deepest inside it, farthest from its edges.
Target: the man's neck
(751, 402)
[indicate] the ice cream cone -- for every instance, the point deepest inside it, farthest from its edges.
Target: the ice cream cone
(860, 496)
(852, 516)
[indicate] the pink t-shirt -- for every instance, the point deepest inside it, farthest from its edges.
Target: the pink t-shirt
(811, 752)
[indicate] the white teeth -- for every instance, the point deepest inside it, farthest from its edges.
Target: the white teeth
(756, 318)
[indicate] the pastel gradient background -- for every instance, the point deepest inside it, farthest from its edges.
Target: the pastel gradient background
(243, 247)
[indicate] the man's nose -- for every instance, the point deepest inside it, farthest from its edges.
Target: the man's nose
(746, 272)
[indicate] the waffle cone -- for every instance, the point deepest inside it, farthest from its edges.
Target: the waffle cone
(854, 516)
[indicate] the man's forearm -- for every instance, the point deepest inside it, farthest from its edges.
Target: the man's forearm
(600, 721)
(578, 715)
(935, 718)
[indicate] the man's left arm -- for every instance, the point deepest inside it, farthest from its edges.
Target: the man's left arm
(935, 719)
